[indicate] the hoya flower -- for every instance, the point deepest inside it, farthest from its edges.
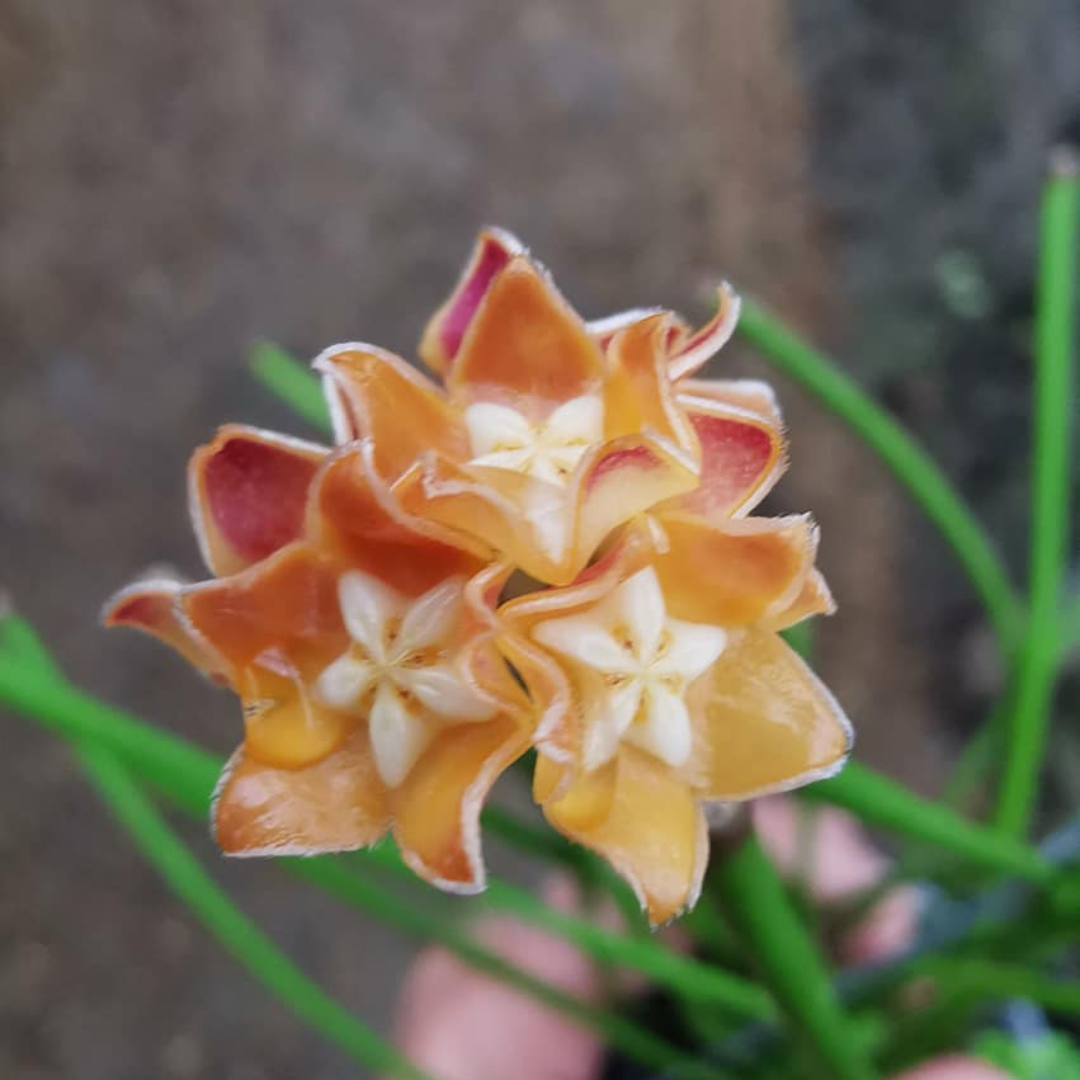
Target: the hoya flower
(373, 696)
(663, 684)
(545, 432)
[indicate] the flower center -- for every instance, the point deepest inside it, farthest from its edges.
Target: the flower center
(398, 669)
(633, 665)
(550, 449)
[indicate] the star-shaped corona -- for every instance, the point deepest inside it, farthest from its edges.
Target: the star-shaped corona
(547, 542)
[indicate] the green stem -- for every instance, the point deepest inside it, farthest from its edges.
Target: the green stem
(1051, 424)
(187, 775)
(239, 936)
(289, 380)
(877, 800)
(909, 462)
(788, 959)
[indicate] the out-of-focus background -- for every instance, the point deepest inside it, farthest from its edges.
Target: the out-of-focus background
(180, 179)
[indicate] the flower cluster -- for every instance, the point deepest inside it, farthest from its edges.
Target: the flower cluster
(550, 547)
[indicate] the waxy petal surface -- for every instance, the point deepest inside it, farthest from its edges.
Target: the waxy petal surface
(248, 492)
(653, 833)
(339, 804)
(765, 721)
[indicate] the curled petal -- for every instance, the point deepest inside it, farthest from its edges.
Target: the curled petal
(691, 353)
(437, 806)
(603, 331)
(638, 394)
(282, 614)
(355, 515)
(339, 804)
(765, 721)
(443, 334)
(744, 395)
(525, 346)
(247, 491)
(742, 457)
(814, 598)
(734, 573)
(153, 607)
(653, 832)
(378, 396)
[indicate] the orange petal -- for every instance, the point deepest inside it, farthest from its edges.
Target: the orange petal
(525, 347)
(734, 573)
(437, 806)
(339, 804)
(584, 802)
(638, 395)
(815, 598)
(443, 334)
(654, 834)
(153, 607)
(764, 721)
(691, 353)
(742, 457)
(281, 615)
(378, 396)
(354, 514)
(247, 492)
(603, 331)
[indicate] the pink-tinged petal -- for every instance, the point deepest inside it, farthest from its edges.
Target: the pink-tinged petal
(153, 607)
(437, 806)
(653, 832)
(443, 335)
(338, 804)
(247, 491)
(691, 353)
(742, 457)
(525, 347)
(765, 722)
(378, 396)
(619, 481)
(744, 395)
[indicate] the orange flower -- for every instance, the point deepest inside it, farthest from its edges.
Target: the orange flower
(663, 684)
(549, 432)
(360, 607)
(373, 696)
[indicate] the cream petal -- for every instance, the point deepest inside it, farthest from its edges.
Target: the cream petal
(432, 618)
(639, 603)
(494, 428)
(398, 737)
(580, 419)
(610, 718)
(692, 648)
(343, 683)
(520, 460)
(584, 639)
(367, 606)
(664, 728)
(442, 690)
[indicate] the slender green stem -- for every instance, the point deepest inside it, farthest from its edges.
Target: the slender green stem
(185, 877)
(909, 462)
(877, 800)
(988, 980)
(1052, 450)
(788, 959)
(187, 775)
(290, 381)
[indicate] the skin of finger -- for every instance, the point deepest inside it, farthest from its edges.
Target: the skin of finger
(461, 1025)
(955, 1068)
